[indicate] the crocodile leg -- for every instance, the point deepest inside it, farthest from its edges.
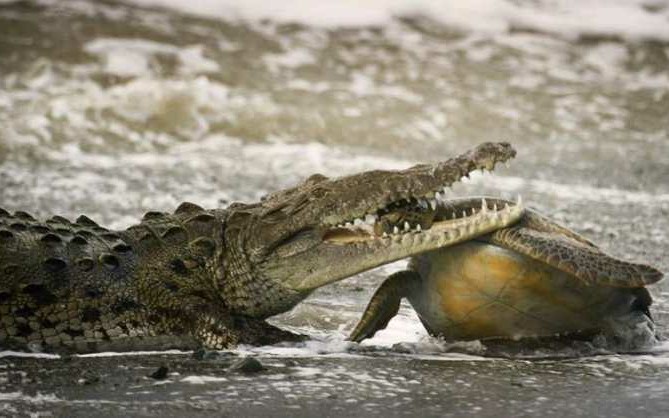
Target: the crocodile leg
(384, 304)
(218, 333)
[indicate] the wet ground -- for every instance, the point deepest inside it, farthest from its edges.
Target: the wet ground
(113, 110)
(361, 385)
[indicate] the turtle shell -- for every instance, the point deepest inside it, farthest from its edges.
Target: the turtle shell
(477, 290)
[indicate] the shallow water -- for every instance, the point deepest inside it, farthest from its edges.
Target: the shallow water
(114, 109)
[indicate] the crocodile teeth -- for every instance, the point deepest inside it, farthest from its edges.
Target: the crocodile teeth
(484, 206)
(418, 228)
(433, 204)
(407, 227)
(396, 230)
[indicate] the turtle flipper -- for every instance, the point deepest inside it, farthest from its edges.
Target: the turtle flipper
(384, 304)
(538, 222)
(577, 258)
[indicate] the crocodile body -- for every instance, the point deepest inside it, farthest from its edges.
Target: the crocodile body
(80, 285)
(210, 278)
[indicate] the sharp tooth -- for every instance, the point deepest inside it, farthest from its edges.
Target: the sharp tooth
(385, 235)
(418, 228)
(465, 178)
(423, 204)
(357, 221)
(407, 227)
(519, 201)
(396, 230)
(433, 204)
(464, 214)
(453, 215)
(484, 206)
(473, 211)
(494, 207)
(349, 225)
(370, 219)
(446, 190)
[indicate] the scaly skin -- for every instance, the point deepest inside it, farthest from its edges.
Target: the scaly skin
(535, 278)
(211, 277)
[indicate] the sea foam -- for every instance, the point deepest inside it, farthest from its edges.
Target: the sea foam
(627, 19)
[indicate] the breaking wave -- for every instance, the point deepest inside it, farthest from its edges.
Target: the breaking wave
(628, 19)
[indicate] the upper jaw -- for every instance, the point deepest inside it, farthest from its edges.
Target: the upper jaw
(354, 197)
(363, 197)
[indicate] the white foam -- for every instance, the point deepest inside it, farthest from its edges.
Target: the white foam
(629, 19)
(403, 336)
(10, 353)
(134, 353)
(201, 380)
(294, 58)
(38, 398)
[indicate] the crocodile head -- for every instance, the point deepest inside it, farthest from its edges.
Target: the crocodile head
(324, 230)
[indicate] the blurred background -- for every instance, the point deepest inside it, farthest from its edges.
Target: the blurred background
(116, 108)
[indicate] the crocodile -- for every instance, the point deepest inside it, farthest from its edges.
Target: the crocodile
(210, 278)
(535, 279)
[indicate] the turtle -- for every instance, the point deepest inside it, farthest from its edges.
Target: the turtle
(533, 279)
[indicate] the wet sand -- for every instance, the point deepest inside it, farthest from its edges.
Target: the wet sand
(377, 385)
